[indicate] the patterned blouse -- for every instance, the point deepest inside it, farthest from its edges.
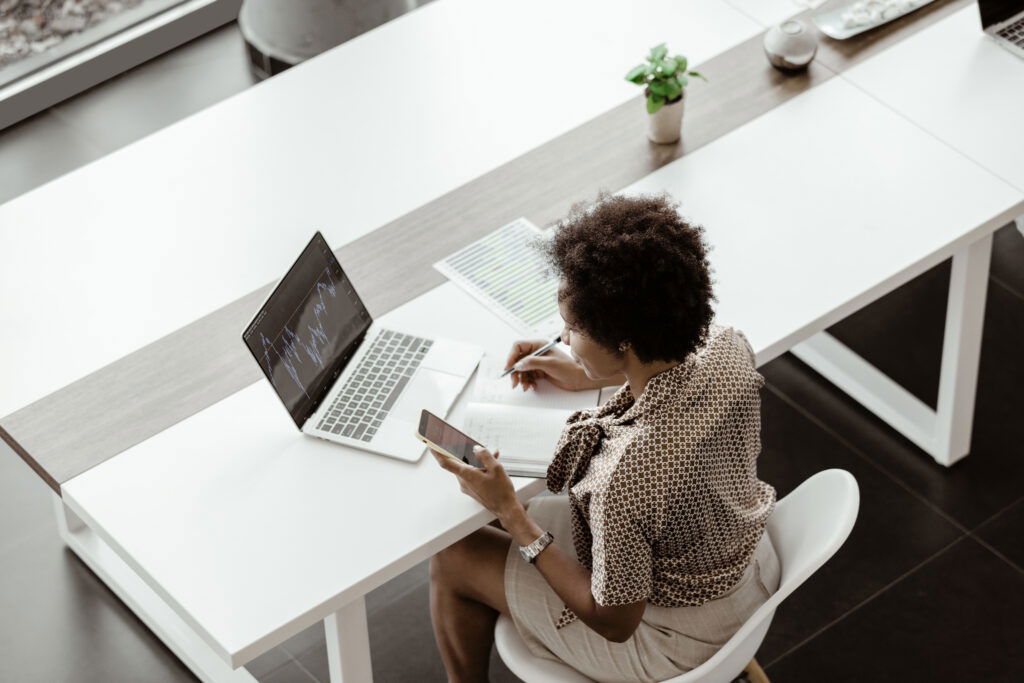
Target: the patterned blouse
(665, 501)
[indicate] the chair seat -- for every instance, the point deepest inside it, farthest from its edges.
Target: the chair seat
(523, 663)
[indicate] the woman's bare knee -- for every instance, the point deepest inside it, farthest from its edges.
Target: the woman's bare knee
(474, 567)
(452, 562)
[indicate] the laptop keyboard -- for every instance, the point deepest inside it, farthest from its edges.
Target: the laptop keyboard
(371, 391)
(1014, 32)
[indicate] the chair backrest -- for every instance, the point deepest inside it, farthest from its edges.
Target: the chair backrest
(807, 527)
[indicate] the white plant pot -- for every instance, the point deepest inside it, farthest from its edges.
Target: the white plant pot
(665, 125)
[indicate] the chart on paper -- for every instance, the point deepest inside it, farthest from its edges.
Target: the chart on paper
(507, 271)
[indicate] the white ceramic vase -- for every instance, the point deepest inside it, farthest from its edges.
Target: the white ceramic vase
(790, 46)
(665, 125)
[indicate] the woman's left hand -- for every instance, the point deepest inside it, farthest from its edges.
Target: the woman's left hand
(490, 486)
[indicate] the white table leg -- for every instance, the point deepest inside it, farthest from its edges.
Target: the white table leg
(944, 433)
(348, 644)
(207, 665)
(961, 350)
(1020, 225)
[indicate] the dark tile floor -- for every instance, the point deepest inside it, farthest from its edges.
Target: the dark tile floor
(930, 585)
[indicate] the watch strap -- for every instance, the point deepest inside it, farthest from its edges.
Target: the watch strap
(531, 551)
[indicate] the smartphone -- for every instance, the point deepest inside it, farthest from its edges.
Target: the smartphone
(443, 438)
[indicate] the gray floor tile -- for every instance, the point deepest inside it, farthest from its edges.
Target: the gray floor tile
(161, 91)
(60, 623)
(25, 502)
(302, 642)
(413, 579)
(290, 672)
(268, 662)
(1005, 533)
(37, 150)
(954, 620)
(1008, 258)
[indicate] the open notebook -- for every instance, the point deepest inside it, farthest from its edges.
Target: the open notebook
(523, 425)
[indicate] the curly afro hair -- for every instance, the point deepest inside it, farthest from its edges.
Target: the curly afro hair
(634, 272)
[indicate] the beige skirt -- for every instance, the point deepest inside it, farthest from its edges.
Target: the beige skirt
(669, 640)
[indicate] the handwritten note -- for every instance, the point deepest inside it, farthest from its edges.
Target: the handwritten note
(490, 387)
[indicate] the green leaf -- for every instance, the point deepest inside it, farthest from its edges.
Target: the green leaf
(654, 103)
(668, 66)
(681, 62)
(673, 89)
(659, 87)
(697, 75)
(683, 81)
(638, 74)
(658, 52)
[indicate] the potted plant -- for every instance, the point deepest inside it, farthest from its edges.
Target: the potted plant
(664, 79)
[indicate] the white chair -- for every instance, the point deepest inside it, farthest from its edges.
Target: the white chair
(807, 527)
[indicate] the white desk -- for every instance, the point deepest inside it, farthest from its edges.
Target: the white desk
(180, 223)
(204, 501)
(768, 12)
(957, 85)
(960, 86)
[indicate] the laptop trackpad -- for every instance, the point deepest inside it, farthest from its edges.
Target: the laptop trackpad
(435, 391)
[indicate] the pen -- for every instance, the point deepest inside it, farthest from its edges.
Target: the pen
(539, 352)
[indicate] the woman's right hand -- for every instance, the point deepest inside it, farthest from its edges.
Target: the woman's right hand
(556, 366)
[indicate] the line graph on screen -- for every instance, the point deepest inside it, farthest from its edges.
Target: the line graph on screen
(303, 337)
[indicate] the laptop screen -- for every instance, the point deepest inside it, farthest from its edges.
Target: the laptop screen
(308, 329)
(997, 11)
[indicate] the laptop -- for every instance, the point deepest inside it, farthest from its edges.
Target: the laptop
(1003, 20)
(343, 377)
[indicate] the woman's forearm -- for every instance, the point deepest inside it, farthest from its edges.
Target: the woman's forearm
(571, 582)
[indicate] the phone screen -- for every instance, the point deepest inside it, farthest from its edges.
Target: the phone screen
(450, 439)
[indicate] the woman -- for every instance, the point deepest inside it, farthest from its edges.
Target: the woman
(659, 552)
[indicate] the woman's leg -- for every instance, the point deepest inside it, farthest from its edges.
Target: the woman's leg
(467, 592)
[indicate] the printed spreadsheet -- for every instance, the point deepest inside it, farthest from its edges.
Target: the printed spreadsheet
(507, 271)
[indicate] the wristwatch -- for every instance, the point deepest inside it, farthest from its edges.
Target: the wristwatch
(530, 552)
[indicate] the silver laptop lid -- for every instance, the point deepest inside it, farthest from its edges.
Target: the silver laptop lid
(308, 330)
